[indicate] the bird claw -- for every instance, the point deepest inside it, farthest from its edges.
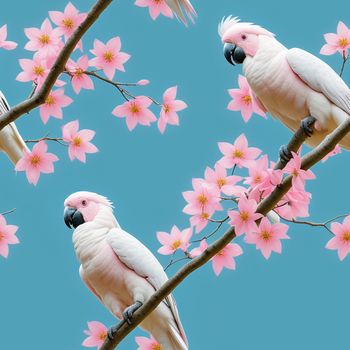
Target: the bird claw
(285, 154)
(129, 311)
(111, 332)
(307, 125)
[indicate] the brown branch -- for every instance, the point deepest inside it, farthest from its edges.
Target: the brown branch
(264, 207)
(39, 98)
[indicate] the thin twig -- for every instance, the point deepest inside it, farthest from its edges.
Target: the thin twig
(55, 139)
(8, 212)
(345, 58)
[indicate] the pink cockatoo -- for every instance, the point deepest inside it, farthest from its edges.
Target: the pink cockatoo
(11, 141)
(119, 269)
(177, 5)
(291, 84)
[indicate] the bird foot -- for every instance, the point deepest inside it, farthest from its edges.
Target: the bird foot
(307, 125)
(111, 332)
(285, 155)
(129, 311)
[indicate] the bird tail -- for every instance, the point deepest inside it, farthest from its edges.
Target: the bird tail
(171, 339)
(175, 5)
(11, 141)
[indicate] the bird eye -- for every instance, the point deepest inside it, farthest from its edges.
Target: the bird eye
(244, 36)
(83, 203)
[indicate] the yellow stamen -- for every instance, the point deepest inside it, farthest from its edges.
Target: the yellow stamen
(244, 216)
(237, 153)
(49, 100)
(176, 244)
(205, 216)
(134, 108)
(68, 23)
(166, 108)
(79, 72)
(77, 141)
(35, 160)
(38, 70)
(102, 335)
(265, 235)
(257, 179)
(2, 236)
(247, 99)
(343, 42)
(108, 56)
(346, 237)
(202, 199)
(44, 39)
(221, 182)
(157, 346)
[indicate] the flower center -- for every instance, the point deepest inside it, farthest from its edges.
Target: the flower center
(166, 108)
(134, 108)
(244, 215)
(295, 173)
(221, 253)
(346, 237)
(50, 100)
(343, 42)
(108, 56)
(38, 70)
(79, 72)
(265, 235)
(35, 160)
(247, 99)
(68, 23)
(77, 141)
(221, 182)
(2, 236)
(176, 244)
(44, 39)
(237, 153)
(205, 216)
(257, 179)
(102, 335)
(157, 346)
(202, 199)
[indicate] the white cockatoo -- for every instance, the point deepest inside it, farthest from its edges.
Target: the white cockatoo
(291, 84)
(11, 141)
(119, 269)
(177, 6)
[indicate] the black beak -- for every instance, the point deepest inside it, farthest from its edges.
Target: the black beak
(233, 54)
(73, 217)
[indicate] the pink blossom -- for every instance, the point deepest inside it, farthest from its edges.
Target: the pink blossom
(204, 198)
(244, 219)
(258, 171)
(37, 161)
(53, 105)
(223, 182)
(156, 7)
(243, 100)
(268, 237)
(67, 21)
(97, 334)
(35, 70)
(80, 80)
(109, 57)
(170, 106)
(299, 176)
(238, 154)
(147, 343)
(136, 112)
(201, 220)
(46, 40)
(341, 239)
(335, 151)
(143, 82)
(5, 44)
(337, 42)
(7, 236)
(175, 240)
(79, 141)
(225, 258)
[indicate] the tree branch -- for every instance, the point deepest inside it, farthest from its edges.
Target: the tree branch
(264, 207)
(39, 98)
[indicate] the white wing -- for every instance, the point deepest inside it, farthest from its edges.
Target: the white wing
(139, 258)
(11, 141)
(320, 77)
(175, 6)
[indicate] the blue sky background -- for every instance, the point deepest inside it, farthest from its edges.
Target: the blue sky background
(296, 300)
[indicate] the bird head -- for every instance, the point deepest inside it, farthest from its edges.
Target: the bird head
(240, 39)
(81, 207)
